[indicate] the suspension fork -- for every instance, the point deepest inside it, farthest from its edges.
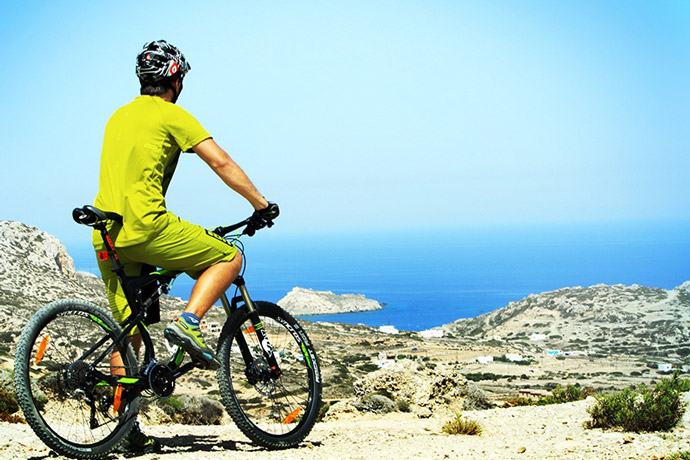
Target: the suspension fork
(258, 329)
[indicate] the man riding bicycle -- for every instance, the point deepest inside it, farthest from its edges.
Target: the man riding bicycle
(141, 148)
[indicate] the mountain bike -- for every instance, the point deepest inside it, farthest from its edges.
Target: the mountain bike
(79, 384)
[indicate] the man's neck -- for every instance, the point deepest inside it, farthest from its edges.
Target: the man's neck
(167, 96)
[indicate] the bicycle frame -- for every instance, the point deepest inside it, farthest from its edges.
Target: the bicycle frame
(93, 381)
(132, 287)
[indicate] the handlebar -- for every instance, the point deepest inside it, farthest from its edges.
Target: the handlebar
(222, 231)
(260, 219)
(94, 217)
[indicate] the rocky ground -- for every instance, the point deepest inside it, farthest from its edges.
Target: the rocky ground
(545, 432)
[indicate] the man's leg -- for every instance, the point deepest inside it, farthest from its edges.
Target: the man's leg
(213, 282)
(117, 365)
(213, 261)
(118, 303)
(185, 330)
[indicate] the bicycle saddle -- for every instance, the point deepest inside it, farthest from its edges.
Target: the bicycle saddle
(90, 215)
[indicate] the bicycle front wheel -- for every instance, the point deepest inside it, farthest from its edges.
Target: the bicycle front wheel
(276, 413)
(69, 397)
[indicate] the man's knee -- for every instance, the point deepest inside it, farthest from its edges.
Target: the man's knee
(229, 269)
(236, 265)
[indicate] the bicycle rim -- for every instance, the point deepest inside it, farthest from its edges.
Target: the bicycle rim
(68, 405)
(275, 413)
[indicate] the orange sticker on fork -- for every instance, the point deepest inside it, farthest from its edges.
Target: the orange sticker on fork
(293, 415)
(42, 348)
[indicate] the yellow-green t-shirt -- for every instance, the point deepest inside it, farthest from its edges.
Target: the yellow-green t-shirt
(141, 146)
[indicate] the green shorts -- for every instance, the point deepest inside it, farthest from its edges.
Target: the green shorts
(180, 246)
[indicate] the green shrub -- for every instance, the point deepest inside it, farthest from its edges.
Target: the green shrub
(657, 408)
(376, 403)
(402, 405)
(683, 385)
(559, 395)
(404, 356)
(520, 401)
(323, 410)
(368, 367)
(384, 392)
(458, 425)
(479, 376)
(355, 358)
(569, 393)
(173, 403)
(680, 455)
(8, 407)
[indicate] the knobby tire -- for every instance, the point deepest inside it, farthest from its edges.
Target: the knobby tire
(56, 391)
(274, 413)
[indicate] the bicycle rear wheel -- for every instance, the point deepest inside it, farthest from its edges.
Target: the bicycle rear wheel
(60, 386)
(274, 413)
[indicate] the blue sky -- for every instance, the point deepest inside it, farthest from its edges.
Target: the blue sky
(360, 115)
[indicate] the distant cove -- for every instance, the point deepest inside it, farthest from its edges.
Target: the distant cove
(427, 281)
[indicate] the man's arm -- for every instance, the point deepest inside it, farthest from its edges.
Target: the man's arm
(229, 171)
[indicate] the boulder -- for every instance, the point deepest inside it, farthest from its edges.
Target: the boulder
(422, 387)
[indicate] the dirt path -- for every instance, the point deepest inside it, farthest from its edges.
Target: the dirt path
(548, 432)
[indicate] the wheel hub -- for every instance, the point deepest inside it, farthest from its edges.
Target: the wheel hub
(259, 375)
(76, 375)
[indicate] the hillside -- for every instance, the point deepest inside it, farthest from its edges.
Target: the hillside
(647, 322)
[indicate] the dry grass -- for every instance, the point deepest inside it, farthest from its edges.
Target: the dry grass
(458, 425)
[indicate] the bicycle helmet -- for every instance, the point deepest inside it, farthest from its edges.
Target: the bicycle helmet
(159, 60)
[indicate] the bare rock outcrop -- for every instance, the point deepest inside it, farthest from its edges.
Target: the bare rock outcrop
(424, 388)
(35, 269)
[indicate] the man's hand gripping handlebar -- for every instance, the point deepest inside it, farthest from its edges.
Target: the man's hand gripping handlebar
(260, 219)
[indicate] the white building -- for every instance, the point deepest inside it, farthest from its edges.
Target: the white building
(388, 329)
(385, 361)
(432, 333)
(514, 357)
(485, 359)
(537, 337)
(665, 367)
(213, 328)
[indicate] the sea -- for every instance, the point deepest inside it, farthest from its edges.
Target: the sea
(426, 278)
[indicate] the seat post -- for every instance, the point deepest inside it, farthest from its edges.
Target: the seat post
(110, 249)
